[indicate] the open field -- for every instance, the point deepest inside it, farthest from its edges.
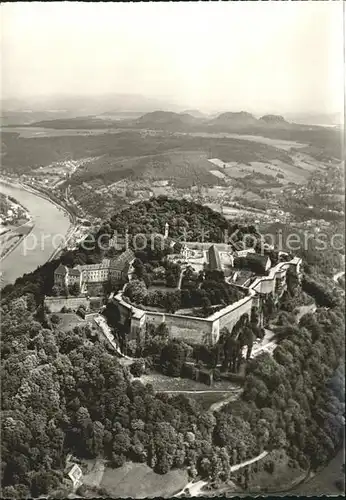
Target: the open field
(93, 470)
(139, 481)
(230, 212)
(287, 171)
(142, 152)
(321, 141)
(35, 132)
(282, 477)
(286, 145)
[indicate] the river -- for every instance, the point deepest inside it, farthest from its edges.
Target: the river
(49, 220)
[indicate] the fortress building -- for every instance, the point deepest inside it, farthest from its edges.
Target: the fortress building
(115, 270)
(266, 283)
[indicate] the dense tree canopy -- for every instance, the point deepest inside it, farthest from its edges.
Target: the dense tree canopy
(187, 220)
(62, 391)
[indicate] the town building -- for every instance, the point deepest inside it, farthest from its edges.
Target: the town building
(61, 276)
(116, 270)
(73, 472)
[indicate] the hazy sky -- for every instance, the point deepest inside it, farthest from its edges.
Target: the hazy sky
(256, 56)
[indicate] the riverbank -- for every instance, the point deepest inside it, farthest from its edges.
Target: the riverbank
(12, 234)
(73, 219)
(15, 232)
(40, 193)
(50, 222)
(60, 205)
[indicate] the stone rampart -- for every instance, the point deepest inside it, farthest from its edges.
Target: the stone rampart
(55, 304)
(204, 330)
(189, 328)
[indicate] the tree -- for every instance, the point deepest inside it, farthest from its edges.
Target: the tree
(55, 319)
(206, 305)
(138, 267)
(98, 436)
(162, 330)
(205, 467)
(118, 460)
(138, 452)
(74, 289)
(136, 291)
(322, 295)
(173, 356)
(137, 368)
(43, 483)
(121, 444)
(172, 301)
(163, 464)
(56, 291)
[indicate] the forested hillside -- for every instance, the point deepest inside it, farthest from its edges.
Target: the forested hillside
(185, 218)
(62, 391)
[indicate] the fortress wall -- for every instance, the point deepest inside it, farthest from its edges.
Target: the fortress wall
(203, 330)
(198, 245)
(265, 286)
(55, 304)
(191, 329)
(124, 311)
(194, 330)
(154, 318)
(230, 318)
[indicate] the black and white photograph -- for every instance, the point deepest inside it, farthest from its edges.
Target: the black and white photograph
(172, 249)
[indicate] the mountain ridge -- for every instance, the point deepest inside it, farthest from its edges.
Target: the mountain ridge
(172, 121)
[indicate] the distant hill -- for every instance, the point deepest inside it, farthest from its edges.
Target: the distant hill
(27, 117)
(120, 115)
(167, 120)
(274, 120)
(232, 120)
(322, 119)
(86, 105)
(80, 122)
(194, 112)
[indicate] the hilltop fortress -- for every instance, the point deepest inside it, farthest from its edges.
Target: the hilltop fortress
(268, 281)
